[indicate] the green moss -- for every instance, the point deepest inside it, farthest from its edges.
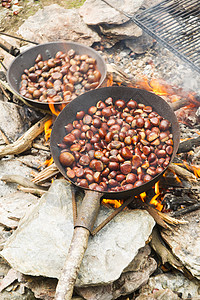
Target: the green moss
(12, 22)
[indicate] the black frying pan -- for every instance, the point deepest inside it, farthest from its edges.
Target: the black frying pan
(91, 202)
(27, 58)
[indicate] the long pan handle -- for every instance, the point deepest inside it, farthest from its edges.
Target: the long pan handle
(14, 51)
(18, 38)
(85, 221)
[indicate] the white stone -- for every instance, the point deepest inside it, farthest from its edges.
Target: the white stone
(40, 244)
(96, 12)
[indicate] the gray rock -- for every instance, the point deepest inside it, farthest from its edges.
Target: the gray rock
(184, 241)
(165, 294)
(55, 23)
(4, 267)
(4, 235)
(43, 237)
(13, 207)
(96, 12)
(13, 120)
(135, 275)
(150, 3)
(12, 166)
(176, 282)
(124, 31)
(140, 44)
(16, 295)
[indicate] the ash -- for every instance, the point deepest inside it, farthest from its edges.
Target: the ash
(157, 62)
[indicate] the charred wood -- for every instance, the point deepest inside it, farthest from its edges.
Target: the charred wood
(188, 145)
(179, 103)
(173, 202)
(186, 210)
(183, 173)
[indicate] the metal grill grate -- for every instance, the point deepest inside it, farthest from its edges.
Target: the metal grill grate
(175, 24)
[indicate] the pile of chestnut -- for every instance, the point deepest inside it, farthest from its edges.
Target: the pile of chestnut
(116, 146)
(6, 3)
(60, 79)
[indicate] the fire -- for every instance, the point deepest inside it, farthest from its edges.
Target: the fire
(156, 86)
(47, 129)
(47, 162)
(56, 109)
(175, 98)
(193, 100)
(114, 203)
(110, 81)
(154, 200)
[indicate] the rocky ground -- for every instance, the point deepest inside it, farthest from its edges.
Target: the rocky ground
(171, 279)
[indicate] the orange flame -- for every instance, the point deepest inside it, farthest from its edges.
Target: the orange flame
(56, 109)
(156, 86)
(47, 163)
(47, 129)
(110, 81)
(177, 178)
(154, 200)
(114, 203)
(156, 203)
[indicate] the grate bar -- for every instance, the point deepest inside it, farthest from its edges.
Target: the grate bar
(176, 25)
(158, 9)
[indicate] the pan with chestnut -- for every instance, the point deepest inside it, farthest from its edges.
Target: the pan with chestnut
(55, 72)
(118, 142)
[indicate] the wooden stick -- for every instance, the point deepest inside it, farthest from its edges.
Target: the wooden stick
(38, 192)
(40, 147)
(22, 181)
(159, 247)
(170, 220)
(186, 210)
(179, 103)
(74, 206)
(85, 221)
(25, 141)
(4, 137)
(118, 74)
(183, 173)
(188, 145)
(46, 174)
(69, 274)
(6, 94)
(112, 215)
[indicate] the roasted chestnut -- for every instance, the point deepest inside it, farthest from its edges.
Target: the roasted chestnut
(116, 146)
